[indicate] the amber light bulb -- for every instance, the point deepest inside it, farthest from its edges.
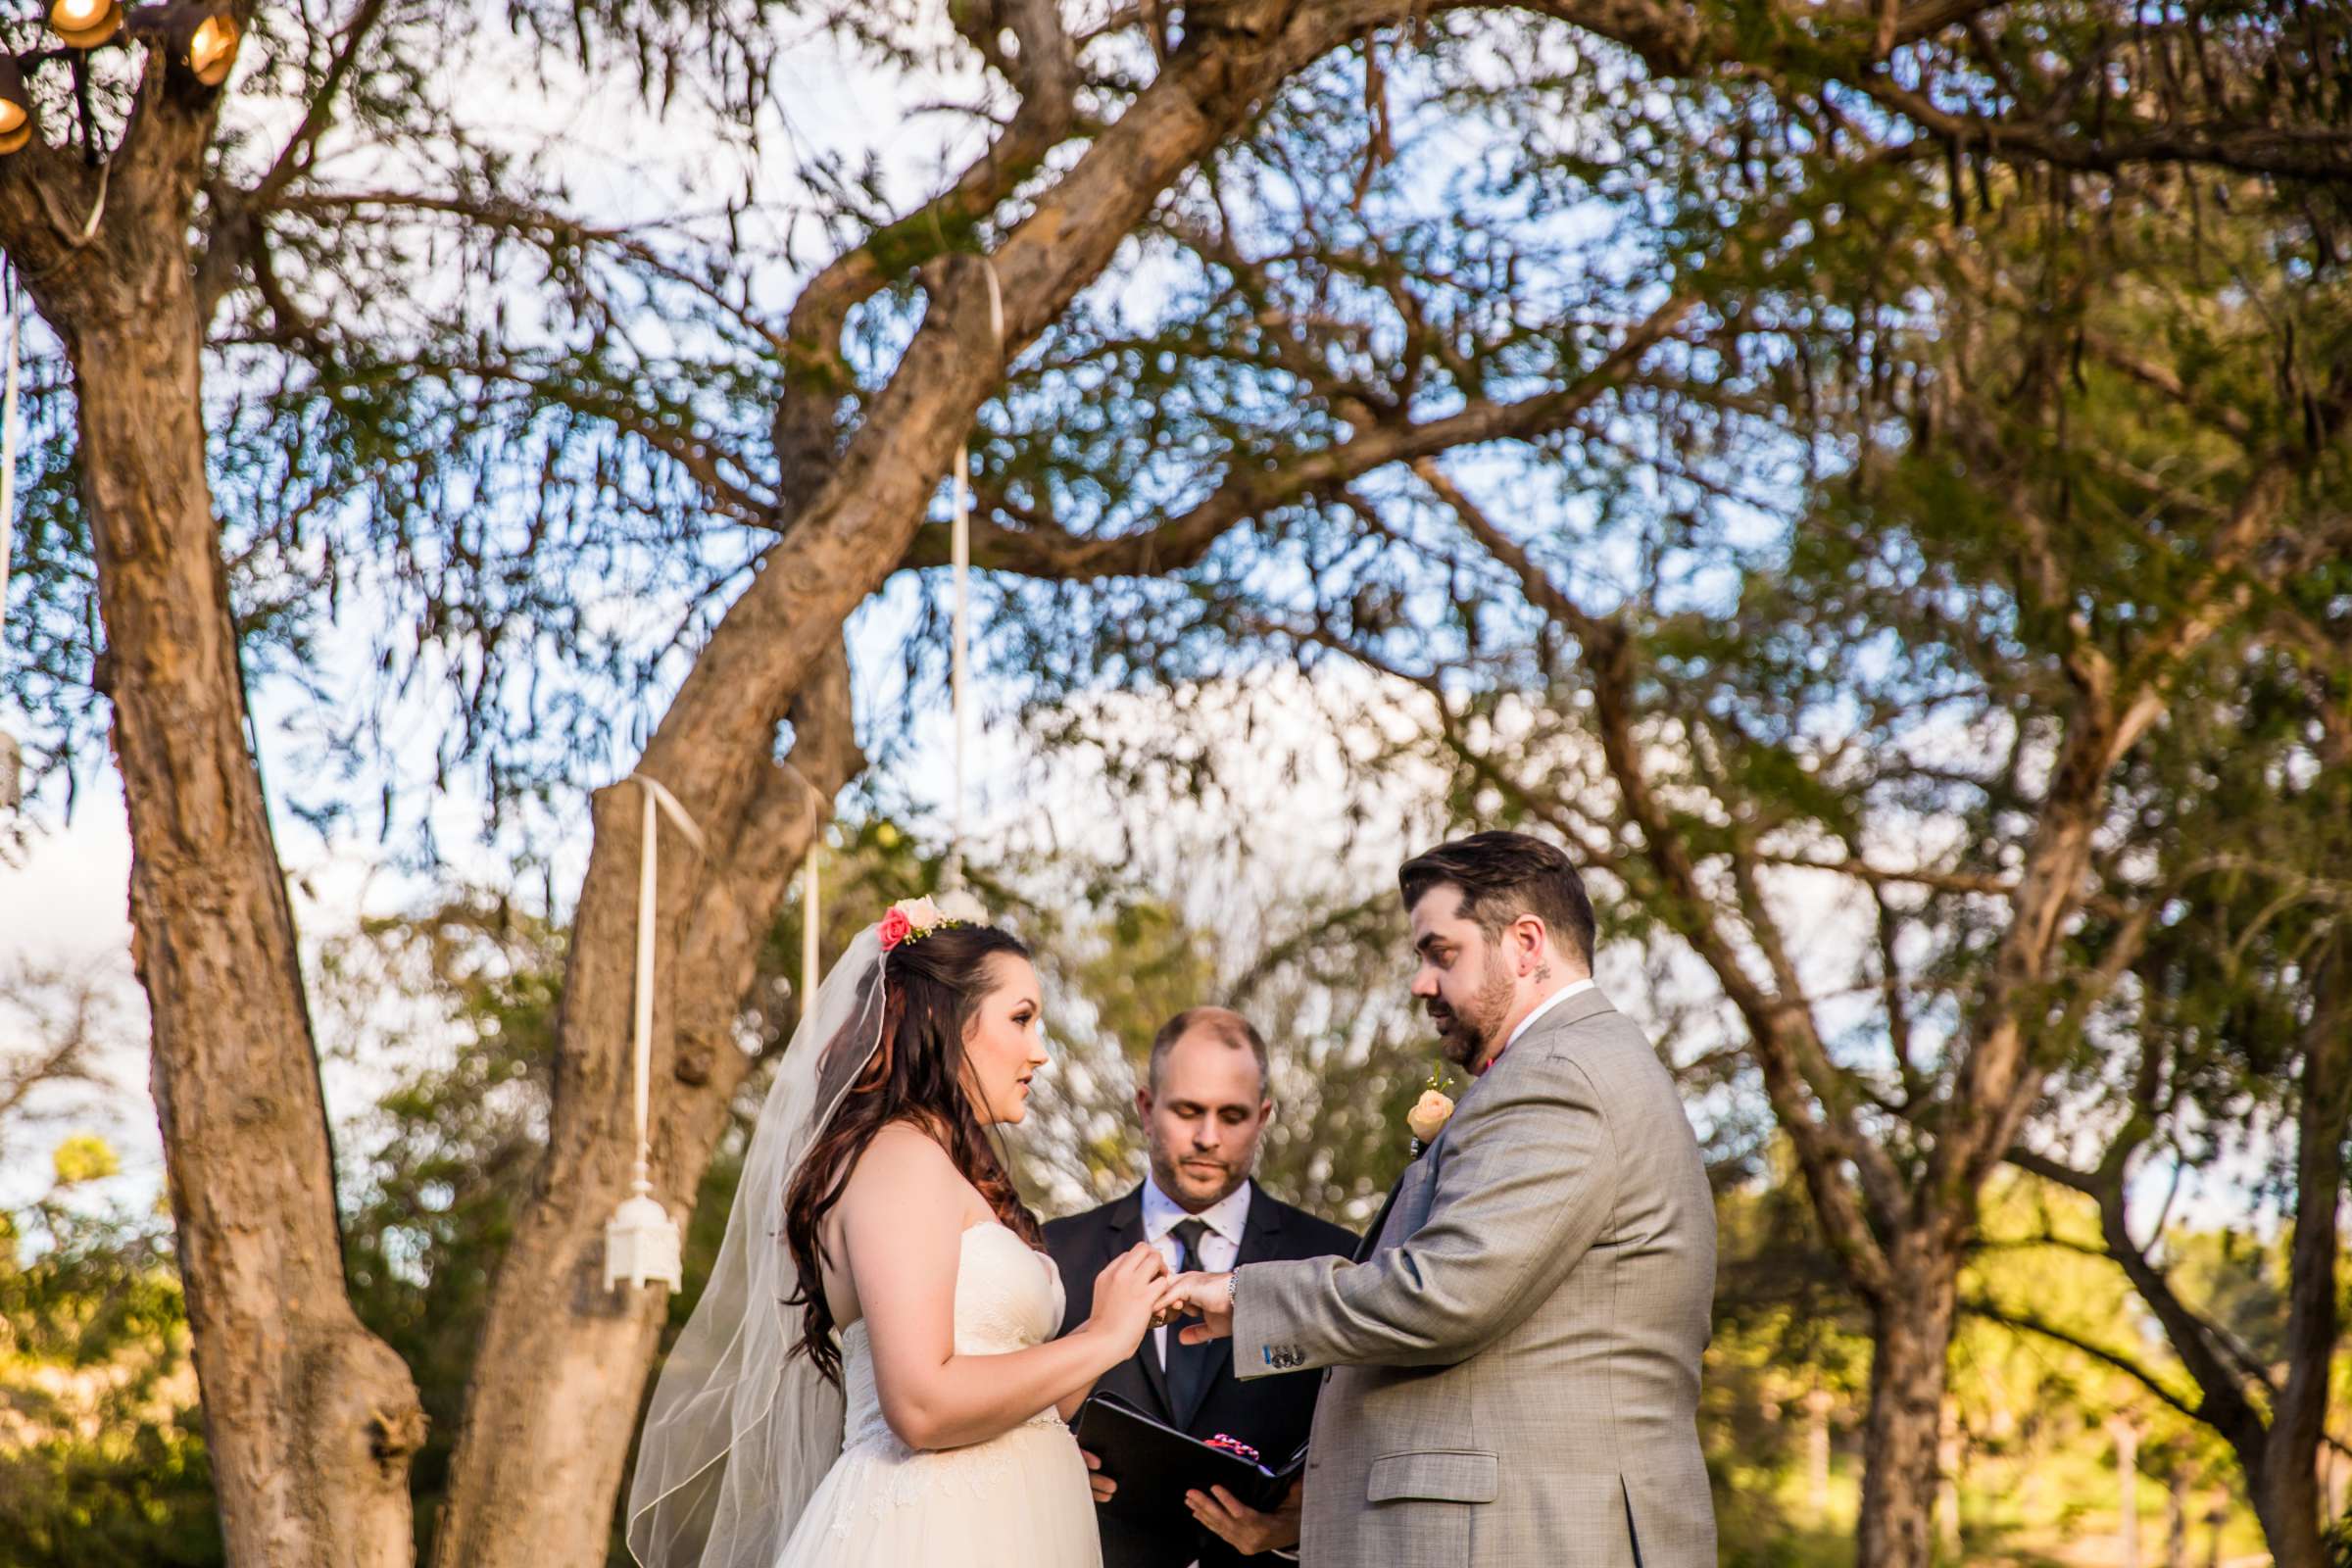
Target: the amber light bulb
(86, 24)
(16, 110)
(213, 48)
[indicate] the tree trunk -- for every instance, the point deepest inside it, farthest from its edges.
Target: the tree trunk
(2287, 1482)
(559, 1375)
(310, 1419)
(1912, 1339)
(2287, 1501)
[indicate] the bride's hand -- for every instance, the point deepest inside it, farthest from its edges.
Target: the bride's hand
(1131, 1289)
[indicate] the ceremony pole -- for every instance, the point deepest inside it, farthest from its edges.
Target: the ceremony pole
(961, 556)
(809, 928)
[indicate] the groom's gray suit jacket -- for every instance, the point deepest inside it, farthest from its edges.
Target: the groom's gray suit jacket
(1517, 1356)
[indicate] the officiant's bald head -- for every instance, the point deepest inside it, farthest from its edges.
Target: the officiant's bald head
(1222, 1025)
(1205, 1104)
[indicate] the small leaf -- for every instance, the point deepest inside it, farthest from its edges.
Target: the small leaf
(84, 1157)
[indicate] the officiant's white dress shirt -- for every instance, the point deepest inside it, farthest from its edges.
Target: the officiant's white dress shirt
(1226, 1219)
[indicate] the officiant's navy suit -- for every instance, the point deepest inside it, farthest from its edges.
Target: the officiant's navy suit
(1273, 1414)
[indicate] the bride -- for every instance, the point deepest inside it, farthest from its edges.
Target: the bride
(872, 1376)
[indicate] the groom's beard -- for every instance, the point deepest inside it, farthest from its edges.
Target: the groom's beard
(1464, 1033)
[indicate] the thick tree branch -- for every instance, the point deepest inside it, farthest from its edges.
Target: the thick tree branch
(301, 150)
(1044, 74)
(2292, 152)
(2224, 1404)
(2028, 1323)
(1183, 540)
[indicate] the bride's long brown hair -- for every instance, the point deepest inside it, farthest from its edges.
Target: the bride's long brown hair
(931, 989)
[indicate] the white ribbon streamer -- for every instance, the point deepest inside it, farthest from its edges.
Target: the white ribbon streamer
(12, 760)
(648, 880)
(961, 559)
(7, 455)
(809, 928)
(960, 554)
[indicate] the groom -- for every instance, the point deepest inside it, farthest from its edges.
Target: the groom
(1517, 1352)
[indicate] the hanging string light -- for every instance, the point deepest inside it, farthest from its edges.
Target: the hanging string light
(15, 106)
(86, 24)
(200, 38)
(960, 554)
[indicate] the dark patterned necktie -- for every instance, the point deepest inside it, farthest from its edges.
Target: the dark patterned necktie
(1189, 1366)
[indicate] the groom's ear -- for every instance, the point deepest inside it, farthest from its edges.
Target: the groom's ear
(1530, 939)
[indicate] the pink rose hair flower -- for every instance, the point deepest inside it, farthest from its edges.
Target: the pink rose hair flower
(913, 919)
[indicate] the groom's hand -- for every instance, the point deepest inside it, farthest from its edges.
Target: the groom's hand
(1208, 1298)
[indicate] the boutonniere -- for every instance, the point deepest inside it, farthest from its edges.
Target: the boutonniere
(1429, 1112)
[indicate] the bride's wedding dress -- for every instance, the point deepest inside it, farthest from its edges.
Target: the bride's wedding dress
(1019, 1501)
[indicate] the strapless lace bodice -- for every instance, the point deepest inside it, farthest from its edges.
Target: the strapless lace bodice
(1007, 1298)
(1018, 1501)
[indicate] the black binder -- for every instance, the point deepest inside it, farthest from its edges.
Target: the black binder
(1155, 1465)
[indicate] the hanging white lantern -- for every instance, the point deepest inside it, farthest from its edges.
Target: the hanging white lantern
(641, 1244)
(641, 1239)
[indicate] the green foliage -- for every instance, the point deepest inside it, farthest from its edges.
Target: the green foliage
(2339, 1541)
(83, 1159)
(102, 1458)
(454, 1141)
(2029, 1438)
(139, 1497)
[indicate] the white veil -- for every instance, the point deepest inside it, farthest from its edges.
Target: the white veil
(740, 1431)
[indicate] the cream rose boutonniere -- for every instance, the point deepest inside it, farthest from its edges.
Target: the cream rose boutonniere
(1429, 1114)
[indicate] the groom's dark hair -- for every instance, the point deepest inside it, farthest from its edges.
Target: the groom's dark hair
(1504, 876)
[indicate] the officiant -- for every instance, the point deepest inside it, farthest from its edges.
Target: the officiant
(1204, 1106)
